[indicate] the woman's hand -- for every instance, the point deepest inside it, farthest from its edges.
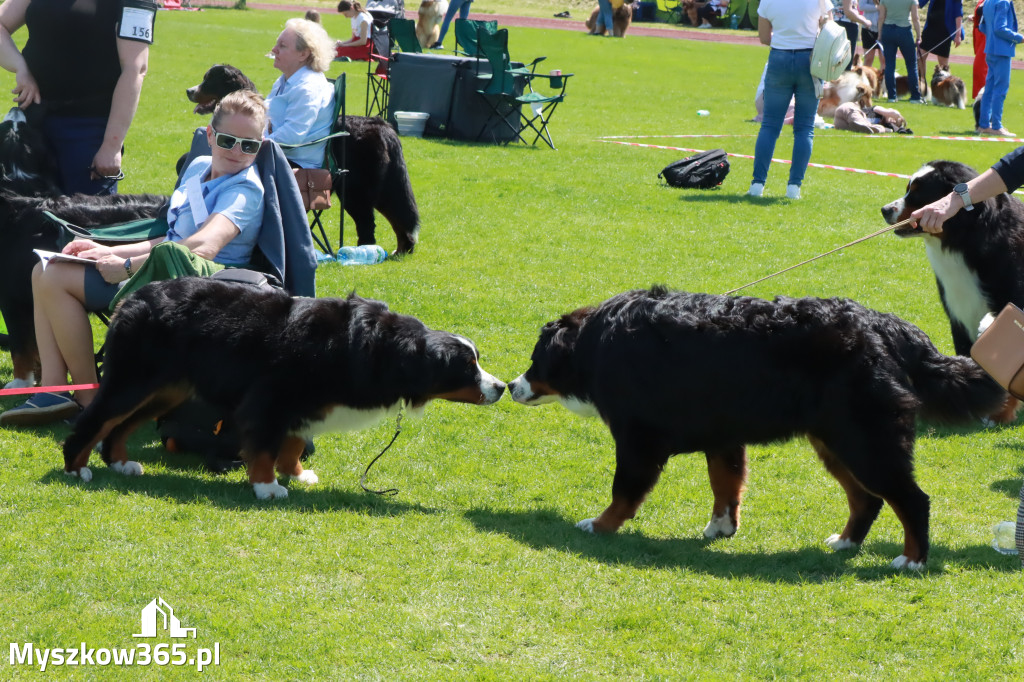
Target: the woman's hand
(112, 269)
(78, 246)
(106, 163)
(26, 91)
(931, 217)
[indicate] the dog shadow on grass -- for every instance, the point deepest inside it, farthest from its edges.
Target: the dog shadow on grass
(546, 530)
(186, 480)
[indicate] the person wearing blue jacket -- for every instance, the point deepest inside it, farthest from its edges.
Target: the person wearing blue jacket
(999, 24)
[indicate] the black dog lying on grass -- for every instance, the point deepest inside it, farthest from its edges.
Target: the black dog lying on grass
(377, 176)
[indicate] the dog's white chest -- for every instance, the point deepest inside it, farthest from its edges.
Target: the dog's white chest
(960, 284)
(343, 418)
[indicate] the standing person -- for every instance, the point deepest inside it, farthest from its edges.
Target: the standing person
(462, 7)
(943, 24)
(215, 214)
(895, 19)
(979, 70)
(84, 62)
(301, 100)
(356, 48)
(869, 34)
(999, 23)
(847, 14)
(789, 27)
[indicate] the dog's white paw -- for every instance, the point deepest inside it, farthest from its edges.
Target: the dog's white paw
(127, 467)
(587, 525)
(269, 491)
(987, 422)
(836, 543)
(21, 383)
(903, 561)
(719, 526)
(84, 473)
(985, 323)
(307, 476)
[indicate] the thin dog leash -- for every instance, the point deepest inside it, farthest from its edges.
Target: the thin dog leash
(822, 255)
(398, 430)
(938, 45)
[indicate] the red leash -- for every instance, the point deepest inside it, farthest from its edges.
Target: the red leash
(47, 389)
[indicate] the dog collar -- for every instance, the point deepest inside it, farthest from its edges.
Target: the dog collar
(965, 195)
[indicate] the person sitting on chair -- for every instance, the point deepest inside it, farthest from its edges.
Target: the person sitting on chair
(301, 100)
(356, 48)
(215, 214)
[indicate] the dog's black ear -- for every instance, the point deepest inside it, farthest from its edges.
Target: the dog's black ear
(34, 115)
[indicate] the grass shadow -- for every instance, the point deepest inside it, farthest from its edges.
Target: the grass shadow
(547, 530)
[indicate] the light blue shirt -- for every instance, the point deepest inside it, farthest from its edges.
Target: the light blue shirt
(300, 111)
(238, 197)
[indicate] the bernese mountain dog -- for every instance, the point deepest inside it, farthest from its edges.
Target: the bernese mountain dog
(377, 176)
(978, 258)
(28, 186)
(281, 368)
(673, 372)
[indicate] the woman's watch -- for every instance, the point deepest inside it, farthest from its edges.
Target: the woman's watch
(128, 266)
(965, 196)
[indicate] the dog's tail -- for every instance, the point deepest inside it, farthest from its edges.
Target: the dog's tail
(961, 95)
(952, 389)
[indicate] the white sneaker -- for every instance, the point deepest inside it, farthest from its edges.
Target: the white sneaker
(756, 189)
(792, 191)
(706, 24)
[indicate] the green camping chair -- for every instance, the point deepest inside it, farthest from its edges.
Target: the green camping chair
(669, 11)
(465, 35)
(403, 34)
(505, 95)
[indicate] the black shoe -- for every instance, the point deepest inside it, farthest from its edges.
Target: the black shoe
(562, 15)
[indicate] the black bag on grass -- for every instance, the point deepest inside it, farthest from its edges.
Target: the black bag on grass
(700, 171)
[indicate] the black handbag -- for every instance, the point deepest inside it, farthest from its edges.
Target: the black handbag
(700, 171)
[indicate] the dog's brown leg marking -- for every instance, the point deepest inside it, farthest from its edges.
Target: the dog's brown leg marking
(617, 513)
(1008, 413)
(82, 458)
(864, 506)
(911, 548)
(288, 463)
(727, 471)
(24, 364)
(260, 467)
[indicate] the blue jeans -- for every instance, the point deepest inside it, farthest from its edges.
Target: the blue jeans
(901, 38)
(74, 141)
(788, 76)
(604, 16)
(460, 6)
(997, 84)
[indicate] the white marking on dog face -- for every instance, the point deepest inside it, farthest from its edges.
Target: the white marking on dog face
(15, 116)
(128, 468)
(521, 392)
(269, 491)
(580, 407)
(491, 386)
(836, 543)
(894, 209)
(720, 526)
(342, 418)
(961, 285)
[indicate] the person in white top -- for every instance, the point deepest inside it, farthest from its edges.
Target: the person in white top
(789, 27)
(357, 47)
(301, 101)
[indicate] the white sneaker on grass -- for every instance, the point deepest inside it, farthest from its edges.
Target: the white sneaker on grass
(792, 191)
(756, 189)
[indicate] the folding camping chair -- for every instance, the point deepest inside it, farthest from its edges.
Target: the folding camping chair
(334, 166)
(377, 81)
(465, 35)
(504, 95)
(403, 34)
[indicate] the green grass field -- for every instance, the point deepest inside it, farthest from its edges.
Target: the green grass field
(474, 570)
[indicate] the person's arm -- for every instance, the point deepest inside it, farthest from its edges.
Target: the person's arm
(931, 217)
(881, 20)
(853, 16)
(12, 17)
(764, 31)
(957, 37)
(915, 19)
(134, 57)
(1001, 22)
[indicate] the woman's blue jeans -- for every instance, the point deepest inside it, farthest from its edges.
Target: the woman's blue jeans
(788, 76)
(901, 38)
(74, 142)
(460, 6)
(997, 85)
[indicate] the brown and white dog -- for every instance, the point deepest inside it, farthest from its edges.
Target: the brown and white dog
(428, 21)
(947, 89)
(851, 86)
(622, 17)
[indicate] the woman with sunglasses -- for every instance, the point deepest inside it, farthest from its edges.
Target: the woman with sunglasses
(301, 100)
(215, 213)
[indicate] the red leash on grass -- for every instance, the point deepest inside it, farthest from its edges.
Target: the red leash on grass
(47, 389)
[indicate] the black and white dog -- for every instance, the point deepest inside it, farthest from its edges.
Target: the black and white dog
(672, 372)
(377, 175)
(281, 368)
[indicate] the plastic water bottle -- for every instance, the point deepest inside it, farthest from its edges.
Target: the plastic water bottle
(368, 254)
(1005, 541)
(703, 112)
(734, 22)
